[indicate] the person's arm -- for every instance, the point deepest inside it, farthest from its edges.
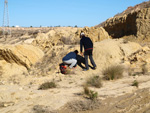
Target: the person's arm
(81, 45)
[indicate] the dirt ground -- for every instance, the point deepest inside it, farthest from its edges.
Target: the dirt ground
(19, 92)
(137, 102)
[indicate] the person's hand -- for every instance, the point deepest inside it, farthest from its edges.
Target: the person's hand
(81, 53)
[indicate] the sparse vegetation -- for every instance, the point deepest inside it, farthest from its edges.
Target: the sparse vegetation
(113, 72)
(43, 109)
(82, 105)
(135, 83)
(57, 26)
(93, 95)
(90, 94)
(75, 26)
(134, 74)
(86, 90)
(23, 91)
(47, 85)
(94, 81)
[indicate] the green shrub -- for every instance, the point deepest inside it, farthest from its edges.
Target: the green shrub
(93, 95)
(134, 74)
(75, 26)
(94, 81)
(47, 85)
(113, 72)
(135, 83)
(90, 94)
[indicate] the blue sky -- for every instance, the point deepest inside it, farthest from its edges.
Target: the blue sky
(82, 13)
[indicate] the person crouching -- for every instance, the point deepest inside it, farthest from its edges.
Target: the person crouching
(71, 59)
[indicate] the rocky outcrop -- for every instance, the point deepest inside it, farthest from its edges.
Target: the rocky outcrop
(17, 60)
(68, 36)
(143, 23)
(139, 61)
(133, 21)
(96, 34)
(56, 36)
(24, 55)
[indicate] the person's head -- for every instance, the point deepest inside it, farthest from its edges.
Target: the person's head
(76, 51)
(82, 34)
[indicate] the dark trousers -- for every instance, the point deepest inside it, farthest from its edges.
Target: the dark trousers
(86, 54)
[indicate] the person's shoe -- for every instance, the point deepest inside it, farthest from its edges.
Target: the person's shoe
(94, 68)
(85, 69)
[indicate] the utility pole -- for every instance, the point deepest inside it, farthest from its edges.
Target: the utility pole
(5, 26)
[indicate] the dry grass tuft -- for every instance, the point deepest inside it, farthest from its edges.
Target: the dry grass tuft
(83, 105)
(94, 81)
(43, 109)
(113, 72)
(47, 85)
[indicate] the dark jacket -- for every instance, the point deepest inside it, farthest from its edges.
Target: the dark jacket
(71, 55)
(86, 42)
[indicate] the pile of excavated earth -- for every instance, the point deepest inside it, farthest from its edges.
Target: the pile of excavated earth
(28, 60)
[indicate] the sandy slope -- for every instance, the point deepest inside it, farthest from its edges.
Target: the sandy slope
(23, 98)
(20, 94)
